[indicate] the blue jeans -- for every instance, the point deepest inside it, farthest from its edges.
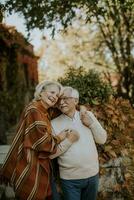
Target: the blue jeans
(55, 194)
(80, 189)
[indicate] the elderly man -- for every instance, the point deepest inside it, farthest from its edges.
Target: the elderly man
(78, 162)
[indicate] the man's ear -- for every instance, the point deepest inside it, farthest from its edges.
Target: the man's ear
(76, 101)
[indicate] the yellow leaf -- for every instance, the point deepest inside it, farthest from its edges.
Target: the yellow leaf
(115, 120)
(110, 112)
(131, 125)
(117, 188)
(108, 148)
(115, 142)
(112, 153)
(127, 176)
(124, 152)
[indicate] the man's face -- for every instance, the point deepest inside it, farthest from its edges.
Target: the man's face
(67, 103)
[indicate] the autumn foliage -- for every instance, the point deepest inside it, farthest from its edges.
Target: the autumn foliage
(117, 116)
(116, 155)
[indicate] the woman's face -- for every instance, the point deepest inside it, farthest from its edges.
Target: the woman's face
(50, 95)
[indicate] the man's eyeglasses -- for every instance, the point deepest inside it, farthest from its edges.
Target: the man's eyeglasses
(65, 98)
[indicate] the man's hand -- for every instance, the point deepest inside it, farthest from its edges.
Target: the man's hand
(72, 135)
(85, 118)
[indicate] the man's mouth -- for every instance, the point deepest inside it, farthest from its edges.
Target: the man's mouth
(63, 107)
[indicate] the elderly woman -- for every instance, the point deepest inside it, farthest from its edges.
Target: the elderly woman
(27, 166)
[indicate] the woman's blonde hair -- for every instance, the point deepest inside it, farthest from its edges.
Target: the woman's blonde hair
(42, 87)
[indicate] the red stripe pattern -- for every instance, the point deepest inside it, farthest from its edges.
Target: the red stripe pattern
(27, 165)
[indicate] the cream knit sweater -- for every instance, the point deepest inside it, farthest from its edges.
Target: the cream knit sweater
(80, 159)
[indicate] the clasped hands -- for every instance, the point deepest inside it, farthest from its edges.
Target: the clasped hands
(71, 134)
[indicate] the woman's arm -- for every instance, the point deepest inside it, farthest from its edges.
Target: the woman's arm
(71, 137)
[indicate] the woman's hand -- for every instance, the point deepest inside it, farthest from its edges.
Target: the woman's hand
(72, 135)
(62, 134)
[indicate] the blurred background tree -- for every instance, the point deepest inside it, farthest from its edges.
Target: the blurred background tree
(114, 19)
(78, 46)
(1, 13)
(93, 90)
(18, 77)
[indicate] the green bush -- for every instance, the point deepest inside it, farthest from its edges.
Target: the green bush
(92, 88)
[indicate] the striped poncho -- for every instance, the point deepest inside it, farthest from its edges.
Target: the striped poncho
(27, 165)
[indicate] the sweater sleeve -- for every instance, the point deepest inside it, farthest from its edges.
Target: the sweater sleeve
(98, 131)
(62, 148)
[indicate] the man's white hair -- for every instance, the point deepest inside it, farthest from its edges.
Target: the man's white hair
(74, 92)
(42, 87)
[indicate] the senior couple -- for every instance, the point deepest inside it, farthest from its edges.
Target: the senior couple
(71, 137)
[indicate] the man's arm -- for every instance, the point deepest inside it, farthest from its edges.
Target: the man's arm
(89, 120)
(98, 131)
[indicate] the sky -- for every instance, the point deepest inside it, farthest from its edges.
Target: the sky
(18, 22)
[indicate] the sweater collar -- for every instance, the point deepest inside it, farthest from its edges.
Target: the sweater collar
(76, 114)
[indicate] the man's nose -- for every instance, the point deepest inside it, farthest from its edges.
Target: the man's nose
(61, 101)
